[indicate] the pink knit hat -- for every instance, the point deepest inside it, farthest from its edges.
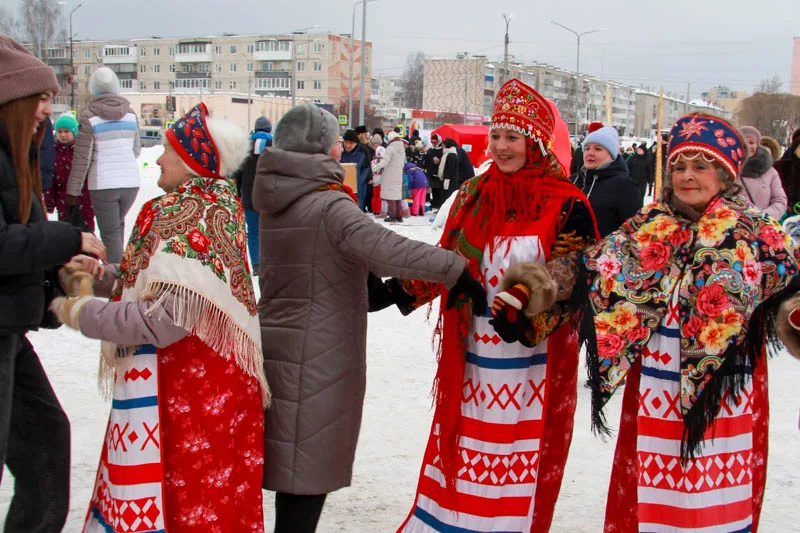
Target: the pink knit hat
(21, 74)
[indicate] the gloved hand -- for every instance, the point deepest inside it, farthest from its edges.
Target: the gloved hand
(788, 325)
(472, 289)
(508, 319)
(542, 288)
(74, 280)
(68, 310)
(377, 293)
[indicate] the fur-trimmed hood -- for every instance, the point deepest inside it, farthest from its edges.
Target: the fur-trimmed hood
(758, 164)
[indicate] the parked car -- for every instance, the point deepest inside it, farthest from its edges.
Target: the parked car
(151, 136)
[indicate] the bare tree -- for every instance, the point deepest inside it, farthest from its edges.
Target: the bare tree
(776, 115)
(40, 21)
(771, 85)
(8, 23)
(413, 78)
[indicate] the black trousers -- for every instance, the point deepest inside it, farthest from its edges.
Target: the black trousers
(297, 513)
(34, 441)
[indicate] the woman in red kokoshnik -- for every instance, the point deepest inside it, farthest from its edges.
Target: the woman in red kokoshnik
(184, 447)
(505, 403)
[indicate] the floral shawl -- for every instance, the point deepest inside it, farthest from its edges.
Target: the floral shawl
(725, 265)
(191, 244)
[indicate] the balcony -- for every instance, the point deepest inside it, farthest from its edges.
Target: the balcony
(193, 57)
(273, 50)
(192, 75)
(273, 74)
(120, 55)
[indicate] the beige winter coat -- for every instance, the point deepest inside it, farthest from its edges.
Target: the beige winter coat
(316, 249)
(392, 165)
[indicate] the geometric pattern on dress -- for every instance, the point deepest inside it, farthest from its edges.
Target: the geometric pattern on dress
(486, 339)
(134, 374)
(495, 469)
(703, 474)
(663, 406)
(127, 515)
(516, 395)
(122, 437)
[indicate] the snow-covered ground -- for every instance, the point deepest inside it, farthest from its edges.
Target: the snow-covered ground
(396, 421)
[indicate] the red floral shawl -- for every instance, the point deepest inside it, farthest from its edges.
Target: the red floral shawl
(726, 264)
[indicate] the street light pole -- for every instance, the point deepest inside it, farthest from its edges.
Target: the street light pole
(507, 18)
(72, 62)
(577, 71)
(466, 78)
(362, 103)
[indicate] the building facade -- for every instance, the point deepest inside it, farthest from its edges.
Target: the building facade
(312, 67)
(794, 76)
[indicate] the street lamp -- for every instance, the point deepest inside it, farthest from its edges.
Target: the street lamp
(507, 18)
(352, 38)
(363, 61)
(577, 70)
(72, 61)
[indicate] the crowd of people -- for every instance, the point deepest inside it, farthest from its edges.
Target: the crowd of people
(676, 302)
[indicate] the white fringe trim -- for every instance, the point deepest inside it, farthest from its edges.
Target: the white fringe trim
(200, 316)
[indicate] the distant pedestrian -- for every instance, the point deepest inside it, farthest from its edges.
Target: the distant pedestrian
(106, 149)
(417, 186)
(761, 183)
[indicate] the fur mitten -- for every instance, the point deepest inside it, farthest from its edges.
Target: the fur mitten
(74, 281)
(68, 310)
(542, 287)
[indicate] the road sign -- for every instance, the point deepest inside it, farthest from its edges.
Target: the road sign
(343, 119)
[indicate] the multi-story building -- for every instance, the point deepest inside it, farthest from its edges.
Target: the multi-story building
(312, 67)
(724, 97)
(469, 84)
(794, 76)
(672, 109)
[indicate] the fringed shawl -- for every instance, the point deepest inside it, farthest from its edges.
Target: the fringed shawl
(190, 244)
(725, 265)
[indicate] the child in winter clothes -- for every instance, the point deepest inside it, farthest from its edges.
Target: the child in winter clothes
(417, 185)
(56, 196)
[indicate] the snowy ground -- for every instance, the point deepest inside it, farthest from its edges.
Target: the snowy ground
(396, 422)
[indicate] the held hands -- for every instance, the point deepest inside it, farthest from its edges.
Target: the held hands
(508, 318)
(527, 290)
(77, 284)
(472, 289)
(90, 244)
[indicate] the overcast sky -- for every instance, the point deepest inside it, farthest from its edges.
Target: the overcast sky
(669, 42)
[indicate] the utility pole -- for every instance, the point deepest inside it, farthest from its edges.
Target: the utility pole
(466, 77)
(72, 62)
(249, 97)
(363, 94)
(506, 76)
(686, 105)
(294, 66)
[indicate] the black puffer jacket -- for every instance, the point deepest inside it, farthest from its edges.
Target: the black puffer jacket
(614, 196)
(788, 167)
(26, 251)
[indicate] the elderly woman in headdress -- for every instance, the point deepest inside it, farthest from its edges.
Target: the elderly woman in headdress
(505, 402)
(184, 446)
(682, 296)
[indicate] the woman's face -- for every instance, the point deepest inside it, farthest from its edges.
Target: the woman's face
(336, 150)
(43, 110)
(594, 156)
(695, 181)
(509, 149)
(173, 172)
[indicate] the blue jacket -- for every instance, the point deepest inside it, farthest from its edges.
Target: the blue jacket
(416, 177)
(358, 157)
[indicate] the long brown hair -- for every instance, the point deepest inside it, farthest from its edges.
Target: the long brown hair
(18, 118)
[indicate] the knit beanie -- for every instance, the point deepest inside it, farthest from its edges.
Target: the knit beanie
(350, 135)
(376, 139)
(307, 129)
(751, 132)
(67, 121)
(22, 74)
(606, 137)
(103, 81)
(263, 124)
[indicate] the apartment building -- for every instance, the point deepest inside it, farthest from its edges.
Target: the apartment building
(794, 75)
(312, 67)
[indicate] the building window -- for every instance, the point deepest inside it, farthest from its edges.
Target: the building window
(156, 85)
(317, 48)
(301, 85)
(143, 51)
(192, 49)
(284, 66)
(86, 70)
(217, 67)
(217, 50)
(218, 84)
(86, 54)
(142, 85)
(203, 67)
(250, 48)
(272, 46)
(233, 67)
(187, 68)
(301, 66)
(172, 67)
(142, 68)
(192, 83)
(266, 67)
(249, 67)
(273, 83)
(172, 50)
(233, 48)
(156, 51)
(300, 49)
(317, 66)
(126, 84)
(156, 68)
(232, 85)
(317, 85)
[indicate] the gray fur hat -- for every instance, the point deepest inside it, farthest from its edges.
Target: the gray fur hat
(307, 129)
